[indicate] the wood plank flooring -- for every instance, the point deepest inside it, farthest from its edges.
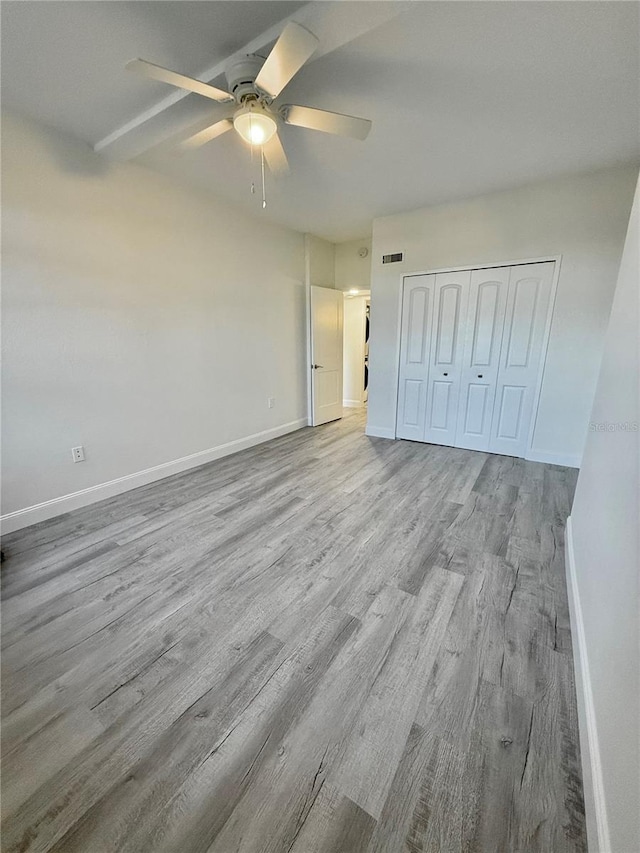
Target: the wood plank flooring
(325, 644)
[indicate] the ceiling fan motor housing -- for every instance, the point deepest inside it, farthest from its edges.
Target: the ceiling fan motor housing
(241, 76)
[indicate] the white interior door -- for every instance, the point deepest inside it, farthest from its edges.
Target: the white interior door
(451, 294)
(417, 309)
(327, 307)
(481, 358)
(522, 341)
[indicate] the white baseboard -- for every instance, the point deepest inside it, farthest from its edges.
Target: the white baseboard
(352, 404)
(380, 432)
(569, 460)
(66, 503)
(595, 803)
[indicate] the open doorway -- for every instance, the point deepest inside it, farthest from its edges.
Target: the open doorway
(357, 306)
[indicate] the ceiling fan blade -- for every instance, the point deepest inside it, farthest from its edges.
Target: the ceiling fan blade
(287, 57)
(156, 72)
(326, 121)
(275, 156)
(206, 135)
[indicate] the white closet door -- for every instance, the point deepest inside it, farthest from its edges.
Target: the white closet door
(451, 297)
(417, 306)
(522, 340)
(481, 358)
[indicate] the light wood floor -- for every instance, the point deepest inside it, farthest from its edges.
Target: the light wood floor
(326, 643)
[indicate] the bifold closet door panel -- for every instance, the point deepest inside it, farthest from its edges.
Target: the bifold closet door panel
(520, 357)
(417, 310)
(481, 357)
(451, 296)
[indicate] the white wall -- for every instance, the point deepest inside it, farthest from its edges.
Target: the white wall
(321, 260)
(352, 271)
(606, 561)
(581, 217)
(141, 319)
(353, 360)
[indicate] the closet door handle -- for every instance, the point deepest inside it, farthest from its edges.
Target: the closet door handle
(479, 376)
(445, 374)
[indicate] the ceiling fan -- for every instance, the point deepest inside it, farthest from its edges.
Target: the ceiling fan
(254, 85)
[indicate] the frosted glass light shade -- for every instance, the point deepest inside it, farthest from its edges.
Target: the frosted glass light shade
(254, 124)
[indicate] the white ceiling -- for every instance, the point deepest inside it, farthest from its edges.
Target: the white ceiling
(465, 97)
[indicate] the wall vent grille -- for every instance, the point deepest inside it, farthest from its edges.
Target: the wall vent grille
(395, 258)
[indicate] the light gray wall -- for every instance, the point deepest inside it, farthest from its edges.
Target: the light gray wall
(322, 265)
(582, 217)
(141, 319)
(604, 520)
(352, 271)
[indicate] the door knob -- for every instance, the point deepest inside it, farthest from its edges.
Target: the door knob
(316, 366)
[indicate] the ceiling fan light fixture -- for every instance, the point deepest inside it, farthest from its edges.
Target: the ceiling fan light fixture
(254, 83)
(254, 123)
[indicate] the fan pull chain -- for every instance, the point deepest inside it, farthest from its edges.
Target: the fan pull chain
(253, 186)
(264, 194)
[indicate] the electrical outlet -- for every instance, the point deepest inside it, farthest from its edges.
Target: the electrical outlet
(77, 454)
(271, 401)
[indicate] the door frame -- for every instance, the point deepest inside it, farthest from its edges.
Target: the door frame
(557, 260)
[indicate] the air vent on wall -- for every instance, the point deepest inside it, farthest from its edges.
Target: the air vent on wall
(393, 259)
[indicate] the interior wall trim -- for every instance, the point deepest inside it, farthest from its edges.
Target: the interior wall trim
(66, 503)
(519, 263)
(594, 796)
